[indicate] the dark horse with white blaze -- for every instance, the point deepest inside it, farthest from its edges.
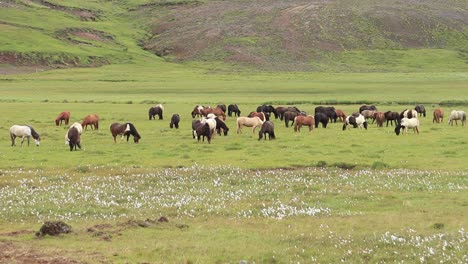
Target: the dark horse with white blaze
(126, 129)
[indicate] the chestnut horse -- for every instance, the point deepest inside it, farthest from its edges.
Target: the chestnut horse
(438, 116)
(126, 129)
(301, 120)
(216, 111)
(379, 118)
(64, 116)
(92, 120)
(263, 116)
(340, 114)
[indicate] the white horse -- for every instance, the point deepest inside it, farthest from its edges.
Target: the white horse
(356, 121)
(25, 132)
(78, 127)
(406, 123)
(457, 115)
(253, 122)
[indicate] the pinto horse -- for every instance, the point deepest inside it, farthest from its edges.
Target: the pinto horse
(267, 128)
(197, 111)
(457, 115)
(301, 120)
(126, 129)
(91, 120)
(156, 110)
(25, 132)
(359, 121)
(406, 123)
(252, 122)
(63, 116)
(438, 115)
(409, 113)
(74, 137)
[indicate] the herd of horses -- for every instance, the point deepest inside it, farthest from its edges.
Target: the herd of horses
(211, 121)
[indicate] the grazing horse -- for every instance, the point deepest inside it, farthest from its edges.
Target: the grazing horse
(156, 110)
(25, 132)
(457, 115)
(379, 117)
(175, 119)
(329, 111)
(369, 114)
(211, 122)
(267, 128)
(92, 120)
(222, 107)
(63, 116)
(74, 138)
(202, 130)
(262, 115)
(220, 125)
(421, 110)
(340, 114)
(195, 123)
(367, 107)
(233, 109)
(289, 116)
(406, 123)
(252, 122)
(197, 111)
(438, 116)
(280, 110)
(216, 111)
(78, 127)
(409, 114)
(321, 118)
(301, 120)
(392, 116)
(267, 109)
(126, 129)
(359, 121)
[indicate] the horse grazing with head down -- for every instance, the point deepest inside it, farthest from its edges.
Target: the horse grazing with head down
(156, 110)
(267, 128)
(438, 116)
(321, 118)
(233, 109)
(457, 115)
(25, 132)
(379, 117)
(202, 130)
(74, 137)
(392, 116)
(221, 126)
(327, 110)
(262, 115)
(420, 109)
(340, 114)
(252, 122)
(175, 119)
(406, 123)
(301, 120)
(91, 120)
(126, 129)
(358, 121)
(63, 116)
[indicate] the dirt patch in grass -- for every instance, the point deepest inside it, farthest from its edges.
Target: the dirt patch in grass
(14, 252)
(83, 14)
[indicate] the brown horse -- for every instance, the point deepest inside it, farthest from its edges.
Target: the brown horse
(216, 111)
(64, 116)
(73, 138)
(392, 116)
(379, 118)
(340, 114)
(267, 128)
(92, 120)
(126, 129)
(301, 120)
(438, 116)
(261, 115)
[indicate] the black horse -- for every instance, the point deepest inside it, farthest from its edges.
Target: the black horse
(391, 117)
(421, 110)
(74, 138)
(321, 118)
(267, 128)
(233, 109)
(203, 130)
(221, 125)
(267, 109)
(329, 111)
(175, 119)
(156, 110)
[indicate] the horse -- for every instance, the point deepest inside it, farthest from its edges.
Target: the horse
(175, 119)
(409, 114)
(233, 109)
(220, 125)
(78, 126)
(126, 129)
(340, 114)
(202, 130)
(216, 111)
(457, 115)
(195, 123)
(369, 114)
(329, 111)
(267, 128)
(438, 115)
(262, 115)
(289, 116)
(211, 122)
(156, 110)
(92, 120)
(25, 132)
(197, 111)
(280, 110)
(63, 116)
(367, 107)
(301, 120)
(406, 123)
(321, 118)
(222, 107)
(359, 121)
(379, 117)
(421, 110)
(253, 122)
(392, 116)
(74, 137)
(267, 109)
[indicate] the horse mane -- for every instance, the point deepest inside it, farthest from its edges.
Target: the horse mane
(133, 130)
(34, 134)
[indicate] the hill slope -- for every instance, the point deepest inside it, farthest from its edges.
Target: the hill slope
(296, 35)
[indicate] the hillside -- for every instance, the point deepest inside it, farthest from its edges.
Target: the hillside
(272, 35)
